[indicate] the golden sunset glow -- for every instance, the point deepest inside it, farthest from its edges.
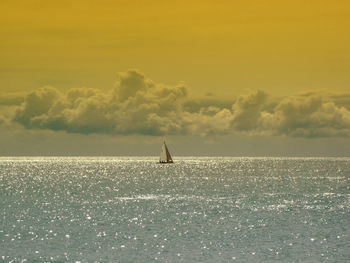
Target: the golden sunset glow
(278, 69)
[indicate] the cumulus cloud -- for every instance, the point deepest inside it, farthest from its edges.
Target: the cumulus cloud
(137, 105)
(310, 116)
(247, 111)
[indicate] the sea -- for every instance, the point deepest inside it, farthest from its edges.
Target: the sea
(199, 209)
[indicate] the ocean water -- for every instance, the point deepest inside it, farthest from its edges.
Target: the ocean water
(132, 209)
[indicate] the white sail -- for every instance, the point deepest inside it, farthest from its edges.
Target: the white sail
(165, 156)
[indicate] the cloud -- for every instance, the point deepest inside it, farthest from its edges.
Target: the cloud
(311, 116)
(137, 105)
(197, 104)
(247, 111)
(36, 105)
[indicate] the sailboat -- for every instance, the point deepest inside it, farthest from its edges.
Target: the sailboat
(165, 156)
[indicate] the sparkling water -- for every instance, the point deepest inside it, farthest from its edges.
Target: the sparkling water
(132, 209)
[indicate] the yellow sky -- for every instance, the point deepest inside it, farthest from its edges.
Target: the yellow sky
(268, 76)
(222, 47)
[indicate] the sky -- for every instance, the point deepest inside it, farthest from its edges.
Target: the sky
(232, 78)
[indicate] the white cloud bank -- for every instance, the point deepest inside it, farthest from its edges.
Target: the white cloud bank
(137, 105)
